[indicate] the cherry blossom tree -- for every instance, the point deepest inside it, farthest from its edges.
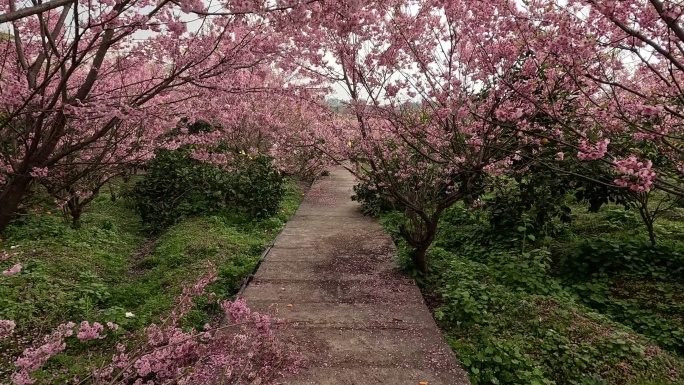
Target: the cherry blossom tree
(430, 128)
(596, 78)
(70, 75)
(639, 69)
(467, 87)
(473, 88)
(261, 112)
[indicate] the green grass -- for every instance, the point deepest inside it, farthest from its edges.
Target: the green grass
(64, 266)
(606, 260)
(109, 267)
(613, 219)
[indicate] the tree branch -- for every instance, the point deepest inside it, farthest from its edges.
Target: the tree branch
(30, 11)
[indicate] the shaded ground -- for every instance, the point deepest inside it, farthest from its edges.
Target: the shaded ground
(357, 321)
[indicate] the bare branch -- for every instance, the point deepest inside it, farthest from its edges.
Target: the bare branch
(13, 15)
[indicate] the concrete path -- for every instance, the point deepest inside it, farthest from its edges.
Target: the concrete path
(357, 321)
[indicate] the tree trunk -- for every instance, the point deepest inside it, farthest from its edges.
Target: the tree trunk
(11, 197)
(648, 221)
(419, 257)
(420, 248)
(76, 218)
(75, 210)
(421, 240)
(651, 232)
(112, 193)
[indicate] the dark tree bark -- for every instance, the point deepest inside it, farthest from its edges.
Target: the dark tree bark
(10, 199)
(421, 239)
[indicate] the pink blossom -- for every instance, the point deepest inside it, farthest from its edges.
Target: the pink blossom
(171, 353)
(87, 332)
(593, 152)
(6, 328)
(13, 270)
(112, 326)
(37, 172)
(33, 358)
(635, 174)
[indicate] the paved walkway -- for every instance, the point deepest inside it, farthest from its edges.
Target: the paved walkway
(357, 320)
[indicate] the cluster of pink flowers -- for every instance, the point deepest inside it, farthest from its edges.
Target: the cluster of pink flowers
(6, 328)
(651, 110)
(88, 332)
(4, 255)
(243, 350)
(589, 152)
(638, 175)
(33, 358)
(16, 268)
(509, 113)
(39, 172)
(498, 168)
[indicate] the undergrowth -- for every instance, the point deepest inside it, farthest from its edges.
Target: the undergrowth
(109, 271)
(573, 309)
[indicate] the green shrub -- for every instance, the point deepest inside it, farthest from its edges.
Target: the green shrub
(536, 203)
(257, 187)
(372, 202)
(177, 186)
(616, 255)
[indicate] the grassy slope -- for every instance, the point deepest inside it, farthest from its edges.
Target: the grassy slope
(513, 318)
(108, 268)
(647, 292)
